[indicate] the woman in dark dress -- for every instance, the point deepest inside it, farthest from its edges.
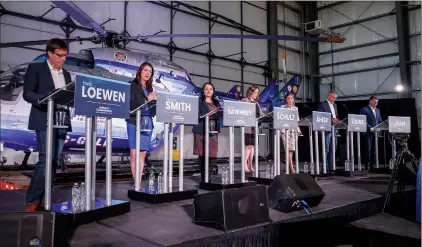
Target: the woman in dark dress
(207, 103)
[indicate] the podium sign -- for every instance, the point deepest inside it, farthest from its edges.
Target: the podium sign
(399, 124)
(285, 118)
(321, 121)
(237, 113)
(177, 108)
(356, 123)
(101, 97)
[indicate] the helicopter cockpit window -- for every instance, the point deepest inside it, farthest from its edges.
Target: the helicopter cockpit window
(11, 83)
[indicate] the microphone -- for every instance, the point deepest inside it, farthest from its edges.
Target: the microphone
(345, 107)
(159, 81)
(305, 105)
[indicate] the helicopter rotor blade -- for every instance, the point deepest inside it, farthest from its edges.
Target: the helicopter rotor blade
(38, 42)
(245, 36)
(79, 15)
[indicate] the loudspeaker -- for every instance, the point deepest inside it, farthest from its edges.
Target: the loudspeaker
(232, 208)
(24, 229)
(286, 189)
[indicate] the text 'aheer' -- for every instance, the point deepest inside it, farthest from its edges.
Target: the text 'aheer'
(322, 120)
(88, 91)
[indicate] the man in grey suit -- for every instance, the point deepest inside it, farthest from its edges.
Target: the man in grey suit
(329, 106)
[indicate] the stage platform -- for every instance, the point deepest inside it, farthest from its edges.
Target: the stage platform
(385, 230)
(347, 199)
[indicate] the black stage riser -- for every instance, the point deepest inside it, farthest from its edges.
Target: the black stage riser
(161, 198)
(343, 173)
(218, 186)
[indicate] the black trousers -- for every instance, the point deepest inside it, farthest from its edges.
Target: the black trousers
(201, 162)
(370, 147)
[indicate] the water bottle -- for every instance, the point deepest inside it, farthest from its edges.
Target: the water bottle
(82, 198)
(272, 173)
(75, 197)
(223, 175)
(160, 186)
(151, 182)
(312, 168)
(392, 164)
(268, 172)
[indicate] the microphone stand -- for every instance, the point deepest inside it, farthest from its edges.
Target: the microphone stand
(138, 145)
(207, 141)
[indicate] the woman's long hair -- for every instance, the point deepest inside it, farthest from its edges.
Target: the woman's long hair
(214, 100)
(148, 84)
(249, 92)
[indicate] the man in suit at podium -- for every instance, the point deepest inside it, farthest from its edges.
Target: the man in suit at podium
(373, 118)
(330, 107)
(40, 80)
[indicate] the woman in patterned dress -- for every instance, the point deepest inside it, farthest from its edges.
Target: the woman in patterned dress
(291, 134)
(207, 103)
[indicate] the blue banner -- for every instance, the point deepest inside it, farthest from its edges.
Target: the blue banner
(101, 97)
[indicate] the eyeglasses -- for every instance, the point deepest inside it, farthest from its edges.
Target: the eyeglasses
(61, 56)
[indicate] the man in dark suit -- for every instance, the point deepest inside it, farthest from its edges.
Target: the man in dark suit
(329, 106)
(40, 80)
(373, 118)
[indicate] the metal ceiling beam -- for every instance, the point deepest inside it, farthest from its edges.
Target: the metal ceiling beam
(358, 46)
(359, 60)
(358, 71)
(291, 49)
(287, 6)
(365, 44)
(289, 25)
(370, 94)
(311, 14)
(205, 16)
(44, 20)
(402, 22)
(256, 6)
(371, 18)
(331, 5)
(272, 29)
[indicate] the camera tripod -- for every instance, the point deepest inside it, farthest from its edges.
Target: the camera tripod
(399, 167)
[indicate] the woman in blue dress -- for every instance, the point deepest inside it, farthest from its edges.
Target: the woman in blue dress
(141, 91)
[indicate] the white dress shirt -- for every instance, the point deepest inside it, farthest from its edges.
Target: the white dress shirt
(373, 111)
(58, 79)
(58, 76)
(332, 109)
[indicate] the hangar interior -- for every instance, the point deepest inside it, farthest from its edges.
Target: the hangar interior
(381, 49)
